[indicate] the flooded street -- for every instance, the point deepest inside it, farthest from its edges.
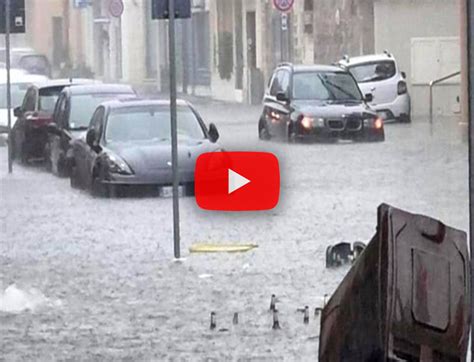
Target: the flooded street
(83, 278)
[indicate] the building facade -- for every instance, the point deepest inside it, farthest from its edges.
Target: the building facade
(229, 48)
(423, 35)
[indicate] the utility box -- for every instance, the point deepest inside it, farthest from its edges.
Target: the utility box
(406, 298)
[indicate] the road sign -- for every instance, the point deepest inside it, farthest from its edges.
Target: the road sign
(160, 9)
(284, 5)
(17, 16)
(116, 8)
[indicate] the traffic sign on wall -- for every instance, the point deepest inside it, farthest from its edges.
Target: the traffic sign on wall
(116, 8)
(283, 5)
(17, 16)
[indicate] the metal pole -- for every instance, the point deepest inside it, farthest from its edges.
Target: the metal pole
(9, 101)
(470, 112)
(174, 128)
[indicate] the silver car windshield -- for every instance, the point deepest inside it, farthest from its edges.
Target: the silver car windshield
(145, 124)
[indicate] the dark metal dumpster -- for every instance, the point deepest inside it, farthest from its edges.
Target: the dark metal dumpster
(406, 298)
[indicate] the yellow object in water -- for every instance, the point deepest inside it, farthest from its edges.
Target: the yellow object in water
(221, 248)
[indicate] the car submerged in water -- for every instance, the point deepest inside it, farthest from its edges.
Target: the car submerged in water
(73, 110)
(127, 148)
(317, 102)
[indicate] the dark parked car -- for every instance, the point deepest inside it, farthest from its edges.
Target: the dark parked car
(128, 146)
(28, 59)
(71, 117)
(29, 134)
(317, 102)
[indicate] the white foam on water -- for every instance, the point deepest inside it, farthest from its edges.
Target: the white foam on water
(15, 300)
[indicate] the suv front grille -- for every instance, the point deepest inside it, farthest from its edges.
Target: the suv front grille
(353, 124)
(336, 124)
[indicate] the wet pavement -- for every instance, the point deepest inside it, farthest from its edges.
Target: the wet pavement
(94, 279)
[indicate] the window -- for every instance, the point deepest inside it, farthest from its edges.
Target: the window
(140, 124)
(60, 111)
(35, 64)
(275, 86)
(373, 72)
(97, 122)
(29, 104)
(285, 81)
(280, 83)
(325, 86)
(83, 107)
(48, 97)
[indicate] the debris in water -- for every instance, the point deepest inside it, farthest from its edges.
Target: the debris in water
(205, 276)
(342, 253)
(276, 322)
(235, 320)
(272, 302)
(213, 321)
(15, 300)
(221, 248)
(306, 315)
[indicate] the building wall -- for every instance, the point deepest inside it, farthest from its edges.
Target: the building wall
(342, 27)
(39, 24)
(397, 22)
(133, 42)
(263, 46)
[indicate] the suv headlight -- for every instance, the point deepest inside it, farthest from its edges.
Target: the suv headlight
(376, 122)
(117, 165)
(311, 122)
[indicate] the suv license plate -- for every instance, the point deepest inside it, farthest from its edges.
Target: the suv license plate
(167, 191)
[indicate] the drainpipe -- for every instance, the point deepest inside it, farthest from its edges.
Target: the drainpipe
(67, 24)
(464, 96)
(469, 26)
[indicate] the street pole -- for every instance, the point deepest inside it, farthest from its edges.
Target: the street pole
(174, 127)
(9, 101)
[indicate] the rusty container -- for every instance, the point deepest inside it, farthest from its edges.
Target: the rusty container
(406, 298)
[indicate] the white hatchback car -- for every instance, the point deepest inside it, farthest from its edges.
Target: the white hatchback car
(379, 76)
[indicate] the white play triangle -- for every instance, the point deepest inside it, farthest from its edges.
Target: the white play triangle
(236, 181)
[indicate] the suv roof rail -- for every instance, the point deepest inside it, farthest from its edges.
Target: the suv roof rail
(288, 64)
(387, 53)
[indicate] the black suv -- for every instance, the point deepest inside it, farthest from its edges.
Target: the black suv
(319, 102)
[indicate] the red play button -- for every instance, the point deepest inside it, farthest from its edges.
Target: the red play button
(237, 181)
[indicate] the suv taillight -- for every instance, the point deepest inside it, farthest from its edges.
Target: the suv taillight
(37, 120)
(401, 87)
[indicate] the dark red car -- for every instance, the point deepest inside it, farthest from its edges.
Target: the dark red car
(29, 134)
